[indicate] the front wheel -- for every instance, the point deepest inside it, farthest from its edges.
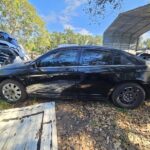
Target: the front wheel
(12, 91)
(129, 95)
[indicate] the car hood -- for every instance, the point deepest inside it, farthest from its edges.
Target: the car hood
(15, 65)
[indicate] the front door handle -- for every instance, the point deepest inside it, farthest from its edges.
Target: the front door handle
(67, 69)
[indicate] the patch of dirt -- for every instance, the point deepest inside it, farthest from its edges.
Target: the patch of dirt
(102, 126)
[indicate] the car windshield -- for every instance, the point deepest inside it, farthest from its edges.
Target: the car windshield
(51, 50)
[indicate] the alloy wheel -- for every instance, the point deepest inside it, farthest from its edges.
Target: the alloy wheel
(11, 92)
(128, 95)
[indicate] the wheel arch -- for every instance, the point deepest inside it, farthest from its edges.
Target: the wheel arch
(139, 82)
(12, 78)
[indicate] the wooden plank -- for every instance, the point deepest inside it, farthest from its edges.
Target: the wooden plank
(28, 137)
(36, 106)
(47, 135)
(6, 138)
(34, 136)
(48, 112)
(46, 138)
(24, 111)
(26, 131)
(29, 128)
(21, 108)
(19, 115)
(54, 130)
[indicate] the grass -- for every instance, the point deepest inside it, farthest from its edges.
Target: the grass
(123, 110)
(5, 105)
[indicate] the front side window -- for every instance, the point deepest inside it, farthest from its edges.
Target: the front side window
(60, 58)
(96, 57)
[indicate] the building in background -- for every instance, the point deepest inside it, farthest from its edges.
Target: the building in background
(125, 31)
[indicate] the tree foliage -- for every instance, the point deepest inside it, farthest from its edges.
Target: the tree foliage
(98, 7)
(19, 18)
(146, 43)
(69, 37)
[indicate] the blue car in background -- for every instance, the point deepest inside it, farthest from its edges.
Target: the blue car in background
(10, 50)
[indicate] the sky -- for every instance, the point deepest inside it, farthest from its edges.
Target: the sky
(64, 14)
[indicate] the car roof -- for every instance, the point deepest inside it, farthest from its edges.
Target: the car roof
(89, 47)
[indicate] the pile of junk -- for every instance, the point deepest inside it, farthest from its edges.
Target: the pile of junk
(10, 50)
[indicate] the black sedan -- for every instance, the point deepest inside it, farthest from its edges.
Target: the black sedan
(80, 71)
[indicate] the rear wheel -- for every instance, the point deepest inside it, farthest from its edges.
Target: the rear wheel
(12, 91)
(129, 95)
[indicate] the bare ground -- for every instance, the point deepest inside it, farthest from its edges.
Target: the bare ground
(94, 125)
(101, 126)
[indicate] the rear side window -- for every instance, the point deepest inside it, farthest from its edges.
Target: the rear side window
(96, 57)
(121, 59)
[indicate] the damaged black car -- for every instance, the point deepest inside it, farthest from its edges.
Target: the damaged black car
(80, 71)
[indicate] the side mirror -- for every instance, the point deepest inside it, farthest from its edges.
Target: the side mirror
(38, 63)
(34, 65)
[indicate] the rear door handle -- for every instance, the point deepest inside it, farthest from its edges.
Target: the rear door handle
(71, 69)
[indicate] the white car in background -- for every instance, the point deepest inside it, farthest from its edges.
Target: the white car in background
(144, 56)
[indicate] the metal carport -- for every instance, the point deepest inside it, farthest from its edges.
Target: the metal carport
(125, 31)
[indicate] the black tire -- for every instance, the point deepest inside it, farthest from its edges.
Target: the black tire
(128, 95)
(20, 88)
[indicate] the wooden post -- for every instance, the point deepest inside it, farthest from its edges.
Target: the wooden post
(137, 44)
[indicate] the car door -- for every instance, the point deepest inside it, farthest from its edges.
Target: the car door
(95, 76)
(55, 74)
